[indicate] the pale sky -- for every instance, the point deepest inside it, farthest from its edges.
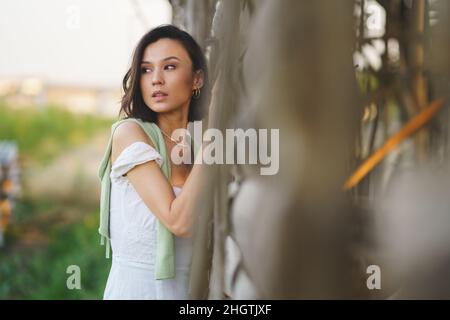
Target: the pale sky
(78, 42)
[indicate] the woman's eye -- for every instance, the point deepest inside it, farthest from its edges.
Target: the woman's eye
(146, 70)
(170, 67)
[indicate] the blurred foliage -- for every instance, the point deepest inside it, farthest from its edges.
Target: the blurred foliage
(367, 82)
(40, 272)
(43, 133)
(46, 236)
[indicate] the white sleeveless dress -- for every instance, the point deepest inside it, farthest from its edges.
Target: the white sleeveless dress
(133, 238)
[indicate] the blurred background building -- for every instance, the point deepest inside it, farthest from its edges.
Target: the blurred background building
(73, 54)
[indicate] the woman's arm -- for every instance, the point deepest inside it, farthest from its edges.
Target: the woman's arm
(176, 213)
(184, 205)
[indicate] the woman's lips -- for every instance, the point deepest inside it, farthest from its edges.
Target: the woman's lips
(159, 96)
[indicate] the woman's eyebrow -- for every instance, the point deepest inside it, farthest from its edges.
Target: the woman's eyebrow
(165, 59)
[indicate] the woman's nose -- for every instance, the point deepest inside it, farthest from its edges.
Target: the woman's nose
(157, 77)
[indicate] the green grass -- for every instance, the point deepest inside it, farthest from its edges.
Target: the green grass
(40, 273)
(43, 133)
(38, 270)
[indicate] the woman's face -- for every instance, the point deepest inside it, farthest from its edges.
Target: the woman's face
(167, 79)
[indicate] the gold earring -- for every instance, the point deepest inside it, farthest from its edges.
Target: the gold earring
(196, 93)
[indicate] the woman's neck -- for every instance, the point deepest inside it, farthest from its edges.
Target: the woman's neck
(169, 122)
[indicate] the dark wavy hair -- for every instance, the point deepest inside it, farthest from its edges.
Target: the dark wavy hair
(133, 105)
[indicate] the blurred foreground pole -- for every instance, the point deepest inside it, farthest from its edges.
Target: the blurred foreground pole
(419, 85)
(294, 229)
(207, 279)
(287, 65)
(413, 216)
(275, 65)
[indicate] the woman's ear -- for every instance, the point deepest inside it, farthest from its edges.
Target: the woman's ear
(198, 79)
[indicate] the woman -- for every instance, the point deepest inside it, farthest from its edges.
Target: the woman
(166, 85)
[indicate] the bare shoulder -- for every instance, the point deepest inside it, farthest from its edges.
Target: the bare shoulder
(126, 134)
